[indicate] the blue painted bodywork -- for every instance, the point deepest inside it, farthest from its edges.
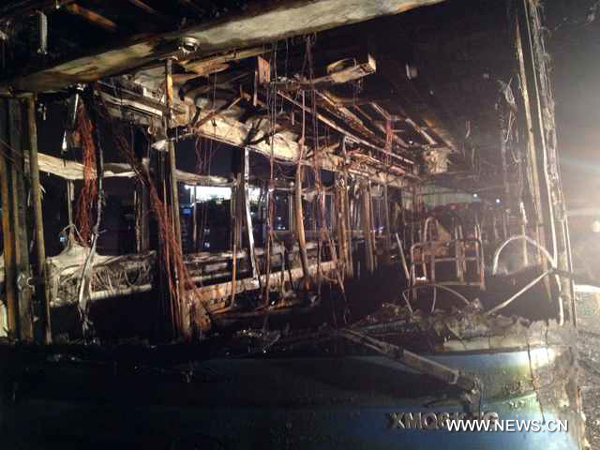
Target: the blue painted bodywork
(286, 402)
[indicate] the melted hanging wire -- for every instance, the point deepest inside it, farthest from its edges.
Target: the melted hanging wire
(89, 191)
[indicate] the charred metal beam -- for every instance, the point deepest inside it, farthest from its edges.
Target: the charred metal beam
(341, 76)
(341, 130)
(387, 116)
(10, 285)
(367, 226)
(172, 157)
(540, 128)
(299, 224)
(388, 225)
(245, 177)
(244, 30)
(36, 199)
(205, 66)
(233, 132)
(19, 245)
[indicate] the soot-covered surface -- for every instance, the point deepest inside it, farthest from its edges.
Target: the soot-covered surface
(588, 310)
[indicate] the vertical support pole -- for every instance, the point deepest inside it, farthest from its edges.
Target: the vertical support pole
(142, 214)
(367, 228)
(346, 213)
(19, 222)
(236, 232)
(534, 153)
(36, 197)
(70, 214)
(552, 175)
(7, 225)
(141, 218)
(245, 178)
(236, 211)
(195, 219)
(172, 156)
(173, 302)
(290, 213)
(166, 324)
(388, 230)
(503, 131)
(541, 133)
(348, 222)
(300, 222)
(340, 221)
(372, 225)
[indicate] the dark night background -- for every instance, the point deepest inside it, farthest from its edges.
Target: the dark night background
(574, 42)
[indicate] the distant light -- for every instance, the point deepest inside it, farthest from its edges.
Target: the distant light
(208, 193)
(497, 200)
(476, 195)
(596, 226)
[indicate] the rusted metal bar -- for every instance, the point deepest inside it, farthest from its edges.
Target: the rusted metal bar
(92, 17)
(342, 232)
(36, 197)
(345, 115)
(337, 128)
(387, 116)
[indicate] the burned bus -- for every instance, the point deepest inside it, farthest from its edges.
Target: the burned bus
(294, 224)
